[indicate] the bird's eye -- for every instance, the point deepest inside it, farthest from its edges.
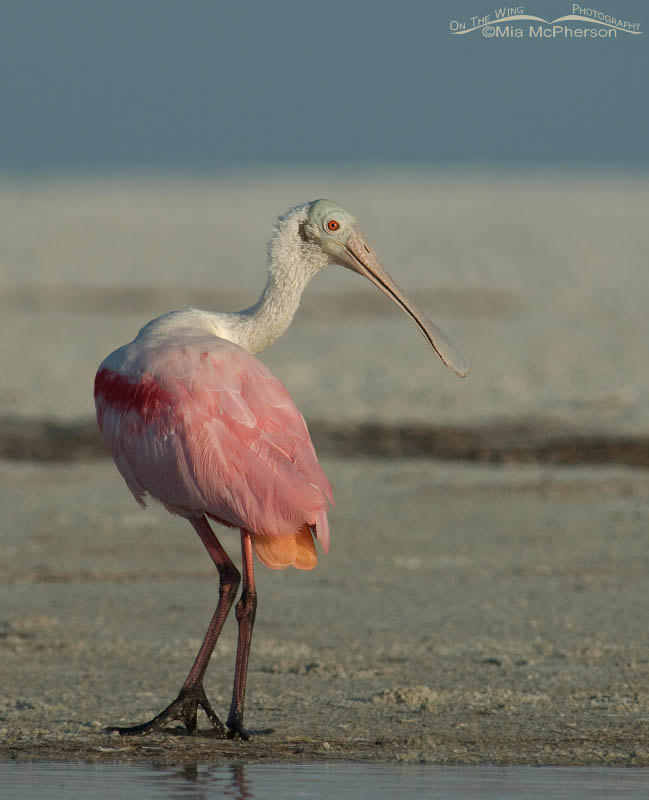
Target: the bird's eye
(333, 225)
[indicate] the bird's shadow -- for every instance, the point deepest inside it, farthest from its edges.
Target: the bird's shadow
(200, 733)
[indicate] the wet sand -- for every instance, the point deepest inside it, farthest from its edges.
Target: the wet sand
(483, 609)
(465, 614)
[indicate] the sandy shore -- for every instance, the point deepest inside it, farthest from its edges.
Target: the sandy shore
(464, 614)
(541, 279)
(467, 612)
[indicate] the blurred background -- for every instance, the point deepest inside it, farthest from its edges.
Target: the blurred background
(146, 149)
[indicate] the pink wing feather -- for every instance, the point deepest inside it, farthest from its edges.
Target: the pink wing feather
(206, 428)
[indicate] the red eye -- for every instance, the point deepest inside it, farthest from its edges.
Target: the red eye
(333, 225)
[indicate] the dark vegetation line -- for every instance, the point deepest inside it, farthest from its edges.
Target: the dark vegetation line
(532, 443)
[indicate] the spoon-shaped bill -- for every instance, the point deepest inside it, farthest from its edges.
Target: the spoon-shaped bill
(359, 256)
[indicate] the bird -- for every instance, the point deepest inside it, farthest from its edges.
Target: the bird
(195, 421)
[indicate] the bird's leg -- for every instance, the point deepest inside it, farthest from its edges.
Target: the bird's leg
(192, 695)
(245, 610)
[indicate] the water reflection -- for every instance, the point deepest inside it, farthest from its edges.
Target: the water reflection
(318, 781)
(202, 782)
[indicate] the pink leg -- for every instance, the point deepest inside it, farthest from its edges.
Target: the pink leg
(192, 695)
(245, 610)
(230, 579)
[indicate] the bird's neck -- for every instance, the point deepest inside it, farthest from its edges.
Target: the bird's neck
(260, 325)
(292, 264)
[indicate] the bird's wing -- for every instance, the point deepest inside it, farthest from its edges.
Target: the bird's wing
(205, 427)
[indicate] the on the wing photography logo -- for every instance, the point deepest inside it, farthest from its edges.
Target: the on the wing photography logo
(514, 23)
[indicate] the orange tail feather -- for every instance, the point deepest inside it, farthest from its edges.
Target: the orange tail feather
(293, 549)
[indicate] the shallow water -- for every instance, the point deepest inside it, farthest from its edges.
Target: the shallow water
(289, 782)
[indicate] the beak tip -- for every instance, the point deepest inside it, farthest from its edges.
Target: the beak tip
(450, 354)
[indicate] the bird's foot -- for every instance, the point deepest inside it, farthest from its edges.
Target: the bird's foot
(236, 729)
(183, 708)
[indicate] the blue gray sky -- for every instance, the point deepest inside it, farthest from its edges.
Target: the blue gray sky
(194, 84)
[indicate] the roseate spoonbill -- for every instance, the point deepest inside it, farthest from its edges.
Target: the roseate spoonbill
(194, 420)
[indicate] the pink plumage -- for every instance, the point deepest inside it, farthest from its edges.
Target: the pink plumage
(194, 420)
(204, 427)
